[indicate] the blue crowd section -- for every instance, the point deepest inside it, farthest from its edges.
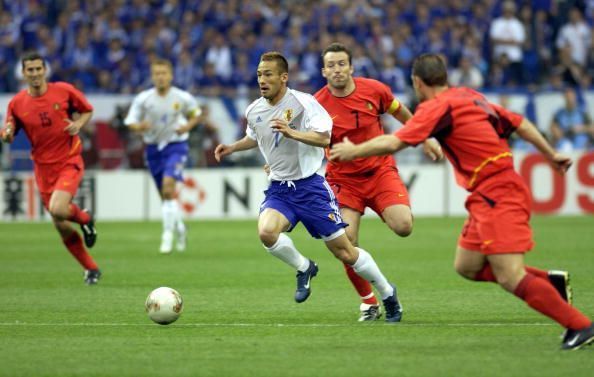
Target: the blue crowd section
(105, 46)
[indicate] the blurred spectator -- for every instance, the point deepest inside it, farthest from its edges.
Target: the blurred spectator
(575, 35)
(571, 127)
(466, 75)
(507, 37)
(203, 140)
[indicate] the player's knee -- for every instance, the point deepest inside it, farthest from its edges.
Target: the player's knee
(268, 236)
(60, 212)
(402, 227)
(345, 255)
(464, 271)
(168, 193)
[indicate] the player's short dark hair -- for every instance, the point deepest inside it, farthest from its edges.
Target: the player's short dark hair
(274, 56)
(30, 56)
(431, 69)
(338, 47)
(161, 61)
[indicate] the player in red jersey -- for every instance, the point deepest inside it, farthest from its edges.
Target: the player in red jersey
(43, 111)
(355, 105)
(497, 233)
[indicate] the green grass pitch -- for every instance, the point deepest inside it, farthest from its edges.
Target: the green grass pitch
(240, 318)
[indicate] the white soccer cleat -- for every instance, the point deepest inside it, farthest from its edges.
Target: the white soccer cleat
(166, 243)
(181, 241)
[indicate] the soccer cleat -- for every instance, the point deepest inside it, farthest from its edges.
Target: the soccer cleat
(560, 280)
(370, 312)
(92, 277)
(393, 307)
(304, 280)
(576, 339)
(180, 241)
(166, 242)
(89, 231)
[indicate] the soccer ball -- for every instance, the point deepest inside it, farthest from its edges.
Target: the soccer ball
(164, 305)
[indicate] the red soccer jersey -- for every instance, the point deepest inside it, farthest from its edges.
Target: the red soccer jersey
(43, 120)
(357, 116)
(472, 132)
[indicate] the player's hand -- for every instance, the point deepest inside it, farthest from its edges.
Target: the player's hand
(282, 126)
(561, 163)
(344, 151)
(72, 128)
(266, 169)
(432, 149)
(222, 150)
(7, 134)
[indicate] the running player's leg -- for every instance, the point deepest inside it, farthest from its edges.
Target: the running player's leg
(272, 224)
(399, 219)
(369, 308)
(175, 157)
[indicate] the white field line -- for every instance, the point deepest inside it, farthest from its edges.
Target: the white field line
(419, 324)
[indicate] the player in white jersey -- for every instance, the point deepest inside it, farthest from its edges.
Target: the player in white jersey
(291, 129)
(165, 114)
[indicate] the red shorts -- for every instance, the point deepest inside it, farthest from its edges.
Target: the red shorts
(499, 216)
(63, 176)
(378, 190)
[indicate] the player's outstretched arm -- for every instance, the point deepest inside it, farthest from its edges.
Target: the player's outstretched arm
(73, 127)
(531, 134)
(244, 144)
(379, 145)
(317, 139)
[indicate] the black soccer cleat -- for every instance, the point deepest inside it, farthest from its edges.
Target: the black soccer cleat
(576, 339)
(92, 277)
(560, 280)
(89, 231)
(304, 280)
(393, 307)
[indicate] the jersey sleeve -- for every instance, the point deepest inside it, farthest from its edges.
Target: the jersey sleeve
(249, 132)
(429, 120)
(316, 117)
(77, 99)
(191, 108)
(508, 117)
(390, 104)
(135, 112)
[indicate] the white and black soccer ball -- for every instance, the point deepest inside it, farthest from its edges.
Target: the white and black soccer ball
(164, 305)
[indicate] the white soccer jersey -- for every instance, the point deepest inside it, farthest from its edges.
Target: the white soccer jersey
(288, 159)
(164, 113)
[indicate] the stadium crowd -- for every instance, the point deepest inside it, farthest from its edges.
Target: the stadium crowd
(106, 46)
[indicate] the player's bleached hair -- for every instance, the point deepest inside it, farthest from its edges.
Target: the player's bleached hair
(274, 56)
(431, 68)
(338, 47)
(30, 56)
(163, 62)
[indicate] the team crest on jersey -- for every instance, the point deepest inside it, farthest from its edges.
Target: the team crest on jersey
(176, 106)
(56, 106)
(288, 115)
(369, 106)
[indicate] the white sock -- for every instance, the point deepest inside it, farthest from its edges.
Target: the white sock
(179, 219)
(366, 267)
(285, 250)
(170, 212)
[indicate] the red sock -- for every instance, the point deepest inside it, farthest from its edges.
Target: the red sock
(542, 297)
(74, 244)
(537, 272)
(486, 274)
(77, 215)
(362, 286)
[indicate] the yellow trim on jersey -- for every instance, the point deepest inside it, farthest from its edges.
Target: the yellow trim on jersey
(394, 106)
(484, 163)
